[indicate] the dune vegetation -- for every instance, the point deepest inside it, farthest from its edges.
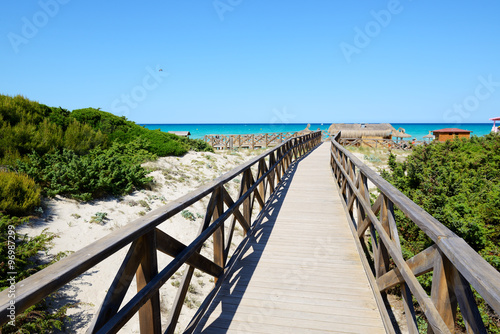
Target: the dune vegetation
(457, 182)
(84, 154)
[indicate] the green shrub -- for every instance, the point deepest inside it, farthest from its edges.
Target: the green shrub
(16, 141)
(81, 138)
(18, 108)
(457, 182)
(99, 217)
(101, 120)
(124, 131)
(47, 137)
(37, 318)
(198, 145)
(101, 172)
(188, 215)
(134, 152)
(28, 126)
(160, 143)
(60, 117)
(19, 194)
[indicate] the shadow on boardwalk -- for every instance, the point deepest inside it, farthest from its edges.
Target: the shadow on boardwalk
(246, 260)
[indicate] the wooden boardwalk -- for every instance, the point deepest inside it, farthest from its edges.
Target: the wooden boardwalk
(299, 270)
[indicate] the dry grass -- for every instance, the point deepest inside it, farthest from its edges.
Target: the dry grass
(377, 158)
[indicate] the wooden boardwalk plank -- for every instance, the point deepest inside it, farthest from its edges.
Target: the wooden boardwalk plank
(300, 271)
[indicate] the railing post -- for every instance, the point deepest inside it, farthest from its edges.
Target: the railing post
(286, 154)
(442, 293)
(262, 185)
(383, 254)
(449, 290)
(188, 273)
(272, 174)
(219, 233)
(295, 149)
(245, 185)
(149, 313)
(411, 319)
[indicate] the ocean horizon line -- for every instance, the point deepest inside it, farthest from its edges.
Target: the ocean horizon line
(300, 123)
(199, 130)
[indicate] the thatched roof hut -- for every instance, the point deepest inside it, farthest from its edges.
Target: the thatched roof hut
(363, 130)
(400, 133)
(306, 131)
(429, 136)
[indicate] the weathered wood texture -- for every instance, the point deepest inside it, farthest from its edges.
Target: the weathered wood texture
(455, 265)
(299, 270)
(145, 240)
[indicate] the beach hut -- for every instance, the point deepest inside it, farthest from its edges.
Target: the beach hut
(450, 134)
(399, 134)
(494, 119)
(362, 130)
(429, 137)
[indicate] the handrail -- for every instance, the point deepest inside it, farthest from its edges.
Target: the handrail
(145, 240)
(455, 265)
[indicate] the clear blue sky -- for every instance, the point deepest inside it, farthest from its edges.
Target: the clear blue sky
(258, 61)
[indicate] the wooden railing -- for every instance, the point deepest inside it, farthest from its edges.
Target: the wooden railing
(455, 265)
(378, 143)
(259, 140)
(145, 239)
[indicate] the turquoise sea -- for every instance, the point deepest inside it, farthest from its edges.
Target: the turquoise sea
(416, 130)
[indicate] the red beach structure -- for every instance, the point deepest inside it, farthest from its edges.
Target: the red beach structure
(450, 134)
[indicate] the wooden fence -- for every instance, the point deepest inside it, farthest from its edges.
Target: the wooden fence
(378, 143)
(145, 239)
(455, 265)
(252, 141)
(264, 140)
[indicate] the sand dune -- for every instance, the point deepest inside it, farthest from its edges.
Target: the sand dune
(79, 224)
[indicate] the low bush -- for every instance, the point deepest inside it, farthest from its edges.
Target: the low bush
(81, 138)
(37, 318)
(19, 194)
(188, 215)
(457, 182)
(28, 126)
(101, 172)
(84, 154)
(124, 131)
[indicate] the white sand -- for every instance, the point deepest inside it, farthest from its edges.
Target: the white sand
(71, 221)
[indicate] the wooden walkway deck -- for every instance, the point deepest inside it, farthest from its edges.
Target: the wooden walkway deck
(299, 270)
